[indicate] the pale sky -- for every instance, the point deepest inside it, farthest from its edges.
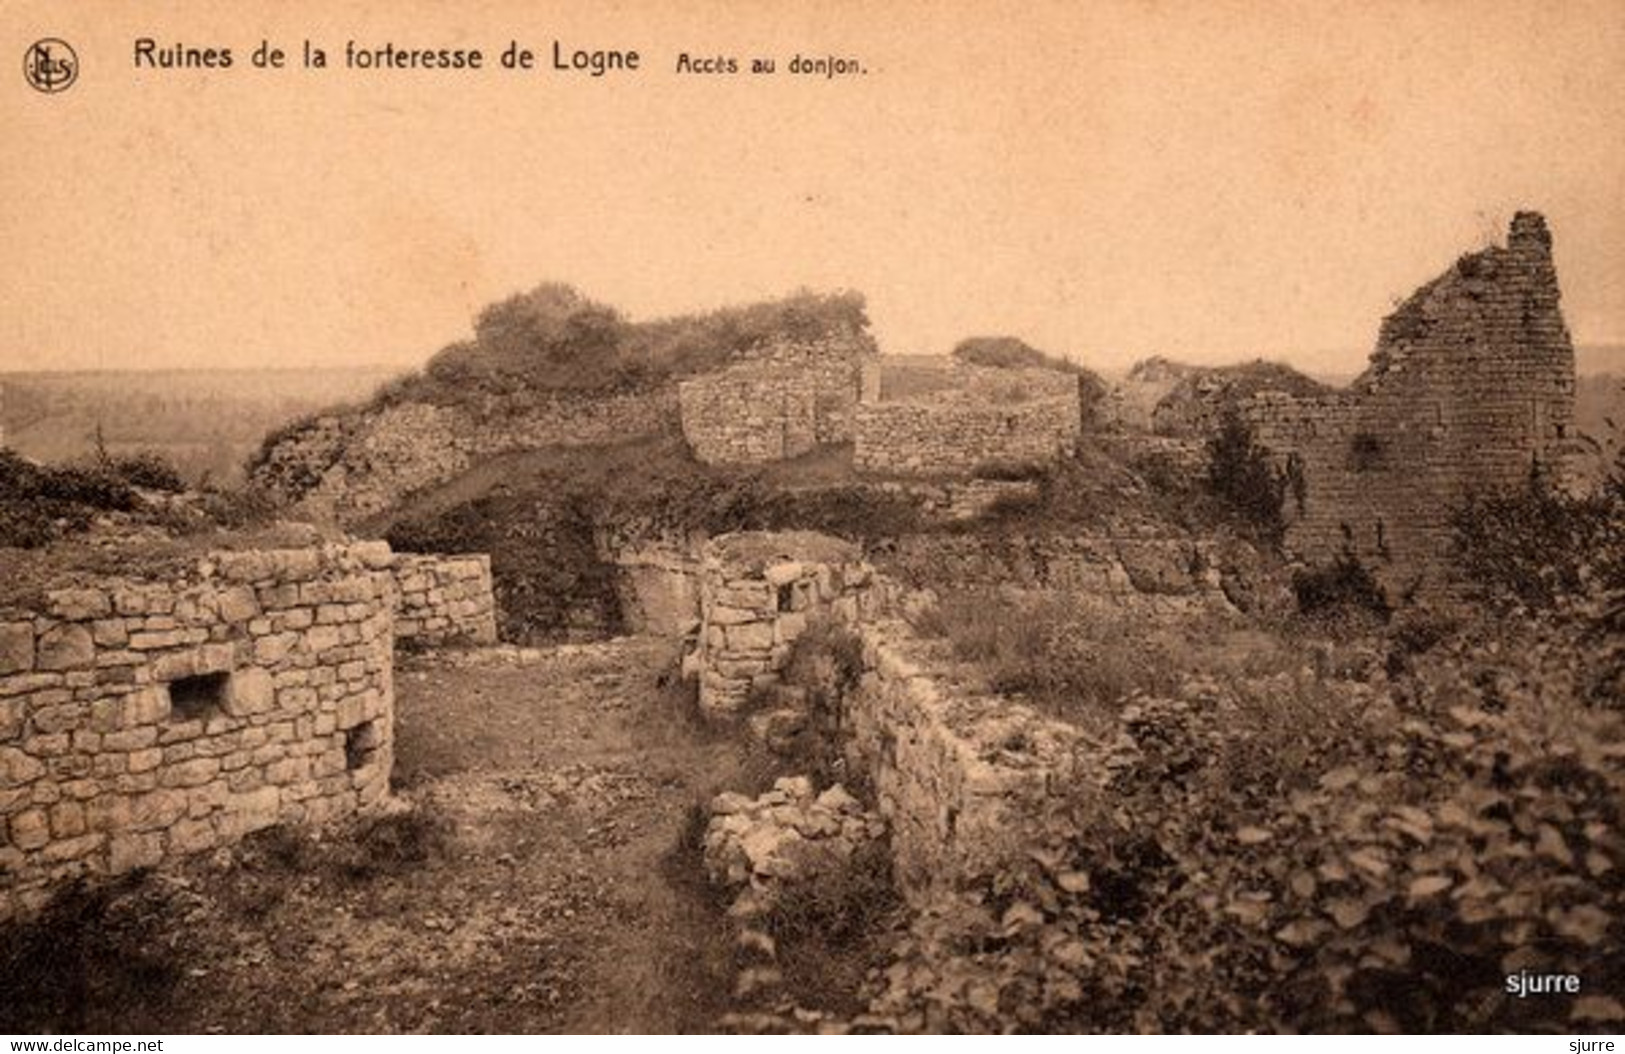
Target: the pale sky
(1208, 180)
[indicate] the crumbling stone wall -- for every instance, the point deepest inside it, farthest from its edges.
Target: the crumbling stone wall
(961, 775)
(957, 500)
(781, 401)
(1146, 571)
(1471, 386)
(758, 592)
(344, 468)
(444, 600)
(988, 417)
(142, 721)
(657, 576)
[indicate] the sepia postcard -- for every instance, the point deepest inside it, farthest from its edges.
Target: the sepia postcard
(811, 517)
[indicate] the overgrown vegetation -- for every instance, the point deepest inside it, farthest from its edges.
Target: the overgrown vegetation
(41, 502)
(1342, 586)
(1244, 480)
(554, 338)
(1327, 853)
(1532, 547)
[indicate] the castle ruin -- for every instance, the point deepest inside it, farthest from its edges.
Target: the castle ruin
(1470, 390)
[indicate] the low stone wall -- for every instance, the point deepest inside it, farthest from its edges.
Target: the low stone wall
(954, 501)
(143, 721)
(962, 776)
(758, 592)
(748, 415)
(954, 435)
(1151, 571)
(444, 600)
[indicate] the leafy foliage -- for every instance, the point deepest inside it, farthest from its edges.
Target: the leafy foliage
(553, 337)
(1320, 862)
(1345, 583)
(1241, 476)
(41, 502)
(1536, 545)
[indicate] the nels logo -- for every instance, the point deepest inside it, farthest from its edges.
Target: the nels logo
(51, 65)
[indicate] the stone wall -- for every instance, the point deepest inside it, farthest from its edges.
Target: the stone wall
(143, 721)
(657, 577)
(987, 417)
(344, 468)
(961, 775)
(1470, 387)
(954, 501)
(758, 593)
(782, 401)
(1149, 571)
(444, 600)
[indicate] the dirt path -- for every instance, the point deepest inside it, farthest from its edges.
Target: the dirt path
(531, 888)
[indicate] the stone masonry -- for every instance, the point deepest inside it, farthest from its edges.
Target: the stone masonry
(780, 402)
(142, 721)
(756, 598)
(980, 417)
(961, 775)
(1471, 387)
(444, 600)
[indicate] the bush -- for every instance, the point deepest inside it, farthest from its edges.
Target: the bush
(39, 503)
(1242, 478)
(148, 469)
(1319, 863)
(1345, 584)
(1532, 547)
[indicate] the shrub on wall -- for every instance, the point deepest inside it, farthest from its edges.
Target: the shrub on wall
(1345, 584)
(1241, 476)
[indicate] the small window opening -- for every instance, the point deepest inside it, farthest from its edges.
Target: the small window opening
(787, 596)
(196, 698)
(1368, 453)
(360, 745)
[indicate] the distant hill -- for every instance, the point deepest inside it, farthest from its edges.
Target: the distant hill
(204, 421)
(1599, 418)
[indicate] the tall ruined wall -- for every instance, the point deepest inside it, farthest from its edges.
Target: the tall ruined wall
(444, 600)
(344, 468)
(144, 721)
(1471, 385)
(780, 401)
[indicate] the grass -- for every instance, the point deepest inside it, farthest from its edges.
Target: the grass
(1081, 664)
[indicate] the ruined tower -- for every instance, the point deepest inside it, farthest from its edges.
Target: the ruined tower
(1469, 390)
